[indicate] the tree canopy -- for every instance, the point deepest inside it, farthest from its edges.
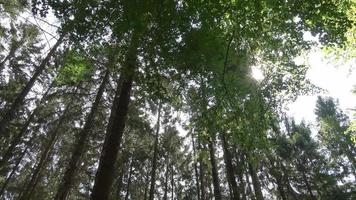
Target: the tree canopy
(156, 99)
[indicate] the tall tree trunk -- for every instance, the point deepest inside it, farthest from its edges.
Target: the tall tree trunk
(119, 184)
(214, 171)
(202, 168)
(31, 185)
(128, 182)
(14, 169)
(278, 176)
(305, 180)
(23, 131)
(11, 112)
(196, 168)
(249, 186)
(230, 174)
(155, 156)
(255, 182)
(104, 175)
(172, 182)
(146, 184)
(165, 196)
(79, 147)
(240, 163)
(286, 181)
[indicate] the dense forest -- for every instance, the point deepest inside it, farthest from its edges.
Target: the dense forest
(155, 99)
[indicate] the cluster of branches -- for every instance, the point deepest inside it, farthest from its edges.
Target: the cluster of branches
(155, 100)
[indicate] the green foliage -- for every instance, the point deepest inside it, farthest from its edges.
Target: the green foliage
(76, 69)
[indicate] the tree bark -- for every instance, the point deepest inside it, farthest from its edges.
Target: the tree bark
(230, 174)
(214, 171)
(165, 196)
(172, 182)
(305, 180)
(119, 184)
(67, 180)
(11, 112)
(196, 168)
(23, 131)
(128, 182)
(255, 182)
(26, 195)
(14, 169)
(240, 172)
(155, 156)
(104, 175)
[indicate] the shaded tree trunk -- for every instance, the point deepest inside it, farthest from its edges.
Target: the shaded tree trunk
(119, 184)
(249, 186)
(240, 163)
(10, 114)
(69, 174)
(255, 182)
(230, 174)
(147, 184)
(278, 176)
(214, 171)
(202, 179)
(165, 196)
(23, 131)
(104, 175)
(28, 191)
(129, 182)
(196, 169)
(305, 180)
(155, 157)
(172, 182)
(14, 169)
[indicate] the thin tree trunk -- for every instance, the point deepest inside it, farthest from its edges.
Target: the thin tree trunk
(119, 184)
(31, 185)
(230, 174)
(23, 131)
(287, 182)
(214, 171)
(14, 169)
(11, 112)
(305, 180)
(278, 176)
(240, 171)
(128, 182)
(196, 169)
(172, 182)
(72, 167)
(155, 156)
(146, 184)
(104, 175)
(202, 180)
(255, 182)
(249, 186)
(165, 196)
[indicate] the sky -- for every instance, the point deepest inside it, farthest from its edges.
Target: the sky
(337, 79)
